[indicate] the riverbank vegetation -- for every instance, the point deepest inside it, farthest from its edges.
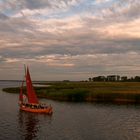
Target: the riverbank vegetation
(120, 92)
(114, 78)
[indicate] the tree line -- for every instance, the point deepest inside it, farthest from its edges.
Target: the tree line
(114, 78)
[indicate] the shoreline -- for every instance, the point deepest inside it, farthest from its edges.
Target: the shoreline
(110, 92)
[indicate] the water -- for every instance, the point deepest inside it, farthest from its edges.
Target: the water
(70, 121)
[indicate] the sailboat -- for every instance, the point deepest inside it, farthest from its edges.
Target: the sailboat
(30, 102)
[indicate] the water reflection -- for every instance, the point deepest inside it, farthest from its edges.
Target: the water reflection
(30, 125)
(74, 121)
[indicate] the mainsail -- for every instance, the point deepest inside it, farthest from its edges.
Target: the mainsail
(32, 98)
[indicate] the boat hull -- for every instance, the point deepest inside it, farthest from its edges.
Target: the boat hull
(47, 110)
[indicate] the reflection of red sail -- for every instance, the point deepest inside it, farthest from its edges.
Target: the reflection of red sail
(32, 98)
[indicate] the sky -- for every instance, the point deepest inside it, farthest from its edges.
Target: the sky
(69, 39)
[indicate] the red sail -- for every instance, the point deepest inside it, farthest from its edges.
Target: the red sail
(32, 98)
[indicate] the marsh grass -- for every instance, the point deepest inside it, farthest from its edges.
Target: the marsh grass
(88, 91)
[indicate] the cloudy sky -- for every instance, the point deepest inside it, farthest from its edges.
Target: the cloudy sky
(69, 39)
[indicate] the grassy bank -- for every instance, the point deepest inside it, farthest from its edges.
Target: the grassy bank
(122, 92)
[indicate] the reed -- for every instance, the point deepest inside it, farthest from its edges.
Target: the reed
(89, 91)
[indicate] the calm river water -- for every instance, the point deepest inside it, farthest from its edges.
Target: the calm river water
(70, 121)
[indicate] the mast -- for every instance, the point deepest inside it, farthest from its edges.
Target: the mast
(21, 89)
(32, 98)
(21, 92)
(25, 70)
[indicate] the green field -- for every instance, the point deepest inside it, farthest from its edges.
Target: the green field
(120, 92)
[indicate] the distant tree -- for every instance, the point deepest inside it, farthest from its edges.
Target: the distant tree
(137, 79)
(90, 79)
(99, 78)
(124, 78)
(131, 79)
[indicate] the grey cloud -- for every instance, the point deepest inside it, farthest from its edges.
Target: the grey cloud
(77, 47)
(118, 11)
(21, 39)
(2, 59)
(78, 42)
(37, 4)
(3, 16)
(18, 6)
(124, 10)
